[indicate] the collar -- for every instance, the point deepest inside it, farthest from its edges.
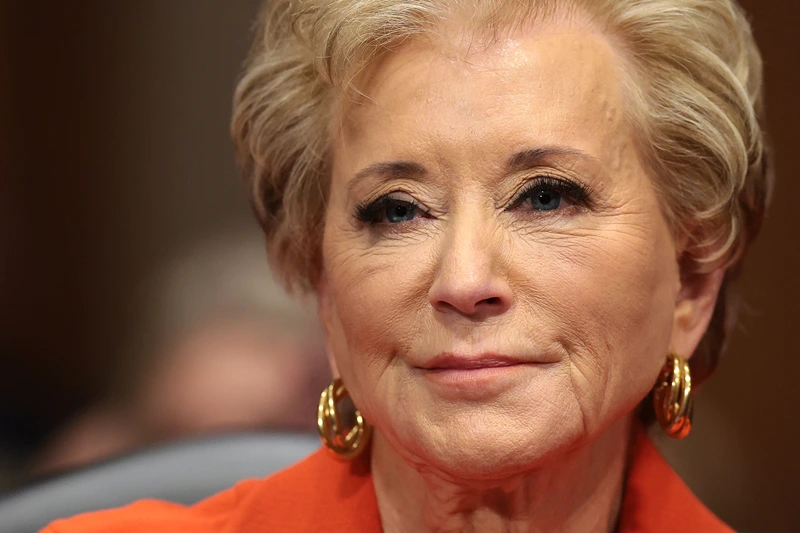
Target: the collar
(656, 500)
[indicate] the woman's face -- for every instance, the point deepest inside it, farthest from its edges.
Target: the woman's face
(499, 282)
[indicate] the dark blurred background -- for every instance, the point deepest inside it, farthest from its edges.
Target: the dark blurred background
(118, 185)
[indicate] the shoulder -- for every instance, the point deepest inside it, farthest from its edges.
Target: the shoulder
(210, 515)
(319, 489)
(656, 498)
(148, 515)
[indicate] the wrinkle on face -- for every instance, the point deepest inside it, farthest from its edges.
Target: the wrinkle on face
(592, 287)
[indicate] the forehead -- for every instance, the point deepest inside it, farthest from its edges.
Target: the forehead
(548, 85)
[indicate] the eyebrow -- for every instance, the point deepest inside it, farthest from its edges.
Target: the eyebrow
(527, 159)
(520, 161)
(387, 171)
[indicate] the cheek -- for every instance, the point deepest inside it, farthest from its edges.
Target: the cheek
(609, 293)
(378, 295)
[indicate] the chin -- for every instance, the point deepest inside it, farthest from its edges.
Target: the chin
(492, 446)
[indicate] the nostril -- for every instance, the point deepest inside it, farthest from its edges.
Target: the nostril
(482, 299)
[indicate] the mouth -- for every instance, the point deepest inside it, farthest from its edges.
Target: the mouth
(476, 377)
(448, 362)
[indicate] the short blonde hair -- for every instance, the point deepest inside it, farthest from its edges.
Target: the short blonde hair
(695, 96)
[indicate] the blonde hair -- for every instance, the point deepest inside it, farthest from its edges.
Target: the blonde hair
(695, 95)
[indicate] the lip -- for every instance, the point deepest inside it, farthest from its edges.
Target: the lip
(476, 377)
(450, 361)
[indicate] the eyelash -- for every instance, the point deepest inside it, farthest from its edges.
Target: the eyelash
(368, 212)
(578, 193)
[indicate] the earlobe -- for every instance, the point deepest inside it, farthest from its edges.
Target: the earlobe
(694, 308)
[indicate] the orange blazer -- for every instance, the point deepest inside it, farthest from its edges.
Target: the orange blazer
(322, 493)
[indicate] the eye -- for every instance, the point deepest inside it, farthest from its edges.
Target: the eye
(398, 211)
(388, 210)
(545, 200)
(550, 194)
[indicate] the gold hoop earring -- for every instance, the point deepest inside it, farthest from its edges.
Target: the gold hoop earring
(672, 397)
(344, 442)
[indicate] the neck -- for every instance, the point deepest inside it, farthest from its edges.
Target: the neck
(579, 492)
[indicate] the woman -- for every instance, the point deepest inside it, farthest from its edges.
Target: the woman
(518, 219)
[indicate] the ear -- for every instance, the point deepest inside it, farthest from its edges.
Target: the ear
(327, 317)
(694, 307)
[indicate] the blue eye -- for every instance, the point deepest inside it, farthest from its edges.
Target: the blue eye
(549, 194)
(545, 200)
(388, 210)
(397, 211)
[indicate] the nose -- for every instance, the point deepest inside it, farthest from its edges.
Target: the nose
(470, 278)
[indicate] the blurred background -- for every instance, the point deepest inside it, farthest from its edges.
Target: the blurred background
(137, 307)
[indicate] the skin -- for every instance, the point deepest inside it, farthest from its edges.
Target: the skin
(587, 298)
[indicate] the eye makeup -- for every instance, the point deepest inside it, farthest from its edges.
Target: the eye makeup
(544, 193)
(389, 209)
(577, 193)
